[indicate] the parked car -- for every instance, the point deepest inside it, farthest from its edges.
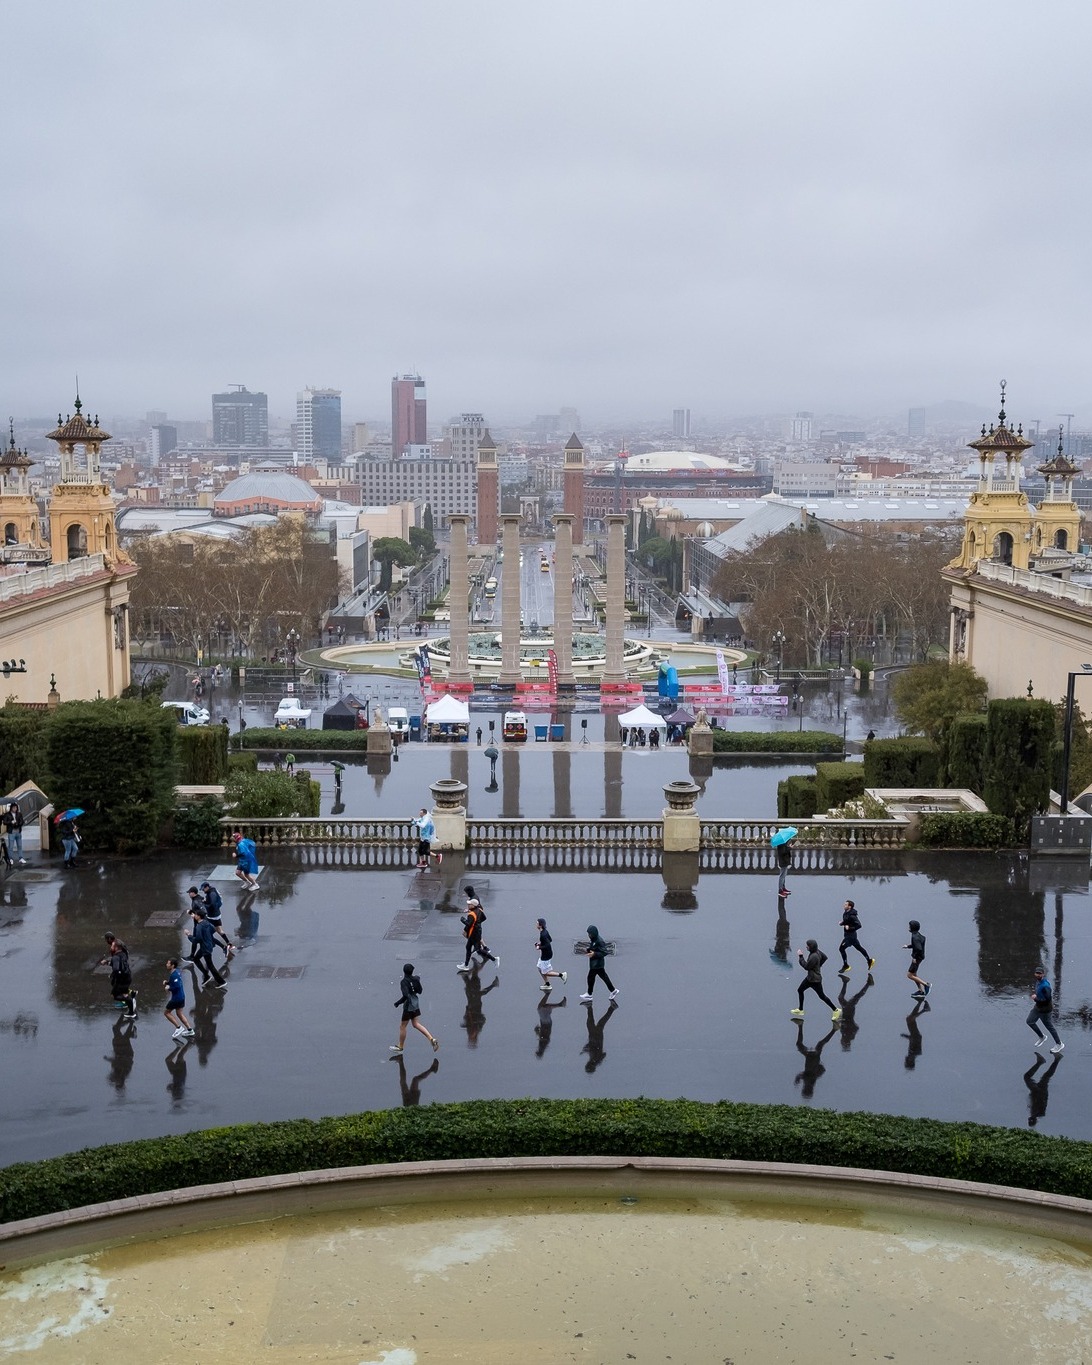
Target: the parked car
(291, 715)
(187, 712)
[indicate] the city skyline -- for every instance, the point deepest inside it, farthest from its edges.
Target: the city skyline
(858, 208)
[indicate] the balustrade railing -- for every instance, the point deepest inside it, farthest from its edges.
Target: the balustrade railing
(811, 833)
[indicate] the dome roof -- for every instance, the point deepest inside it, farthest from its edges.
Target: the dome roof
(270, 486)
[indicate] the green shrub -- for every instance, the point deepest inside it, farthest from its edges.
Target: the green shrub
(965, 829)
(265, 796)
(242, 763)
(202, 752)
(117, 759)
(865, 667)
(197, 823)
(1019, 758)
(797, 798)
(967, 752)
(837, 783)
(776, 742)
(540, 1127)
(310, 793)
(908, 761)
(22, 746)
(295, 740)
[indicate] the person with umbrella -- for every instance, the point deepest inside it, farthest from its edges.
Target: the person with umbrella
(781, 842)
(70, 833)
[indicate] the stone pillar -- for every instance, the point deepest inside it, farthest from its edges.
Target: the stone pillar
(511, 673)
(682, 828)
(614, 671)
(699, 740)
(458, 601)
(449, 813)
(379, 739)
(563, 599)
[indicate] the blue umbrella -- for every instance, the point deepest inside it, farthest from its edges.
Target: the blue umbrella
(783, 836)
(68, 814)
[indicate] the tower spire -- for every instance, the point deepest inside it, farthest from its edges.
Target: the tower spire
(1001, 415)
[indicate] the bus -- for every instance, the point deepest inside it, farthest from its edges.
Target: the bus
(490, 589)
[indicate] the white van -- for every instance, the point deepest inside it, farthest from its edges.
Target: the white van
(398, 723)
(187, 712)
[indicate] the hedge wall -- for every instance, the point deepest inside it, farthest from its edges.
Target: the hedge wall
(775, 742)
(1019, 758)
(837, 783)
(22, 747)
(967, 751)
(797, 798)
(908, 761)
(202, 755)
(965, 829)
(293, 741)
(536, 1127)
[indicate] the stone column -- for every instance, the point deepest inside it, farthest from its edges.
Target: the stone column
(563, 599)
(449, 813)
(614, 671)
(511, 672)
(458, 601)
(682, 827)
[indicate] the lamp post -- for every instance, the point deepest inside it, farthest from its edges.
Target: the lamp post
(1084, 672)
(779, 641)
(292, 640)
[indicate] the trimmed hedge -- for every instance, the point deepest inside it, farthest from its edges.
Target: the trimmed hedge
(775, 742)
(1019, 758)
(837, 783)
(967, 751)
(797, 798)
(965, 829)
(540, 1127)
(292, 741)
(202, 755)
(22, 746)
(269, 795)
(242, 763)
(908, 761)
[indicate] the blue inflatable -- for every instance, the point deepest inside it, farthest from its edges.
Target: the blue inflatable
(667, 682)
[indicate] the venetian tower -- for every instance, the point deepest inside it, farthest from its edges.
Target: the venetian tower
(81, 510)
(573, 487)
(18, 510)
(1057, 517)
(488, 490)
(998, 520)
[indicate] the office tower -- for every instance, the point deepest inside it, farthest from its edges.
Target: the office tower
(361, 436)
(155, 418)
(801, 426)
(240, 418)
(680, 423)
(569, 420)
(915, 425)
(408, 423)
(318, 424)
(463, 436)
(164, 440)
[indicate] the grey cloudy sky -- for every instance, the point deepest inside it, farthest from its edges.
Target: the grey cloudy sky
(621, 205)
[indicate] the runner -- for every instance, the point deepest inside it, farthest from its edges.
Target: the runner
(214, 907)
(1042, 1006)
(813, 980)
(545, 945)
(472, 923)
(121, 977)
(596, 953)
(851, 923)
(175, 1010)
(246, 861)
(917, 957)
(410, 1000)
(426, 832)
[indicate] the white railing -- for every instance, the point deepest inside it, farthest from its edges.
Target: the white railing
(17, 585)
(1043, 584)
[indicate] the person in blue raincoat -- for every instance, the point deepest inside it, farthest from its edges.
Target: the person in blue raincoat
(246, 861)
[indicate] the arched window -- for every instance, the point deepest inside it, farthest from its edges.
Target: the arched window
(77, 541)
(1002, 548)
(11, 534)
(1061, 540)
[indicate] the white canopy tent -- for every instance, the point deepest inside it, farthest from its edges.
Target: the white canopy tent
(447, 711)
(641, 718)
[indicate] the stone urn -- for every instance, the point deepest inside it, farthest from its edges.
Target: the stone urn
(448, 793)
(681, 795)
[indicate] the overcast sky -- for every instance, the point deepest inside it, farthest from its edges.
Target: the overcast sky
(619, 205)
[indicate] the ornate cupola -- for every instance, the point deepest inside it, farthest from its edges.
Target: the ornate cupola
(998, 520)
(1057, 517)
(81, 511)
(20, 537)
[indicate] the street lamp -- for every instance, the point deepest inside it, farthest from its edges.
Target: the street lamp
(292, 640)
(1085, 670)
(779, 642)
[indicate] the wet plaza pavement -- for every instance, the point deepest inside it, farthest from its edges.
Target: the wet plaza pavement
(304, 1026)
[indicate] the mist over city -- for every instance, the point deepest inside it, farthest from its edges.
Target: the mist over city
(623, 210)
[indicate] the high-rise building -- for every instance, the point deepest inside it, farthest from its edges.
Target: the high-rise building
(164, 440)
(361, 436)
(240, 418)
(318, 424)
(801, 426)
(680, 424)
(464, 435)
(915, 425)
(409, 426)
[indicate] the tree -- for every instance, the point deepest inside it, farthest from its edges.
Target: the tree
(428, 522)
(423, 542)
(389, 551)
(929, 697)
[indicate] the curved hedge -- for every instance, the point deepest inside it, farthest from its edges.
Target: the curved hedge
(536, 1127)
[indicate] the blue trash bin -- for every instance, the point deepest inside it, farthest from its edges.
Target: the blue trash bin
(557, 732)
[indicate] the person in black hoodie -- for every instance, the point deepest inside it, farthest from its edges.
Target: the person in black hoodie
(851, 924)
(411, 1010)
(596, 953)
(121, 977)
(813, 980)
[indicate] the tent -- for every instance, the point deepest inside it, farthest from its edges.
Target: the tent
(347, 713)
(680, 717)
(641, 718)
(447, 711)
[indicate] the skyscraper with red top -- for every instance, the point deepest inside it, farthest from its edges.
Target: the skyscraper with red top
(409, 426)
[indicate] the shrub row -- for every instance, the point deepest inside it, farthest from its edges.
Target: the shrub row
(837, 783)
(775, 742)
(966, 829)
(293, 741)
(908, 761)
(797, 797)
(202, 755)
(536, 1127)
